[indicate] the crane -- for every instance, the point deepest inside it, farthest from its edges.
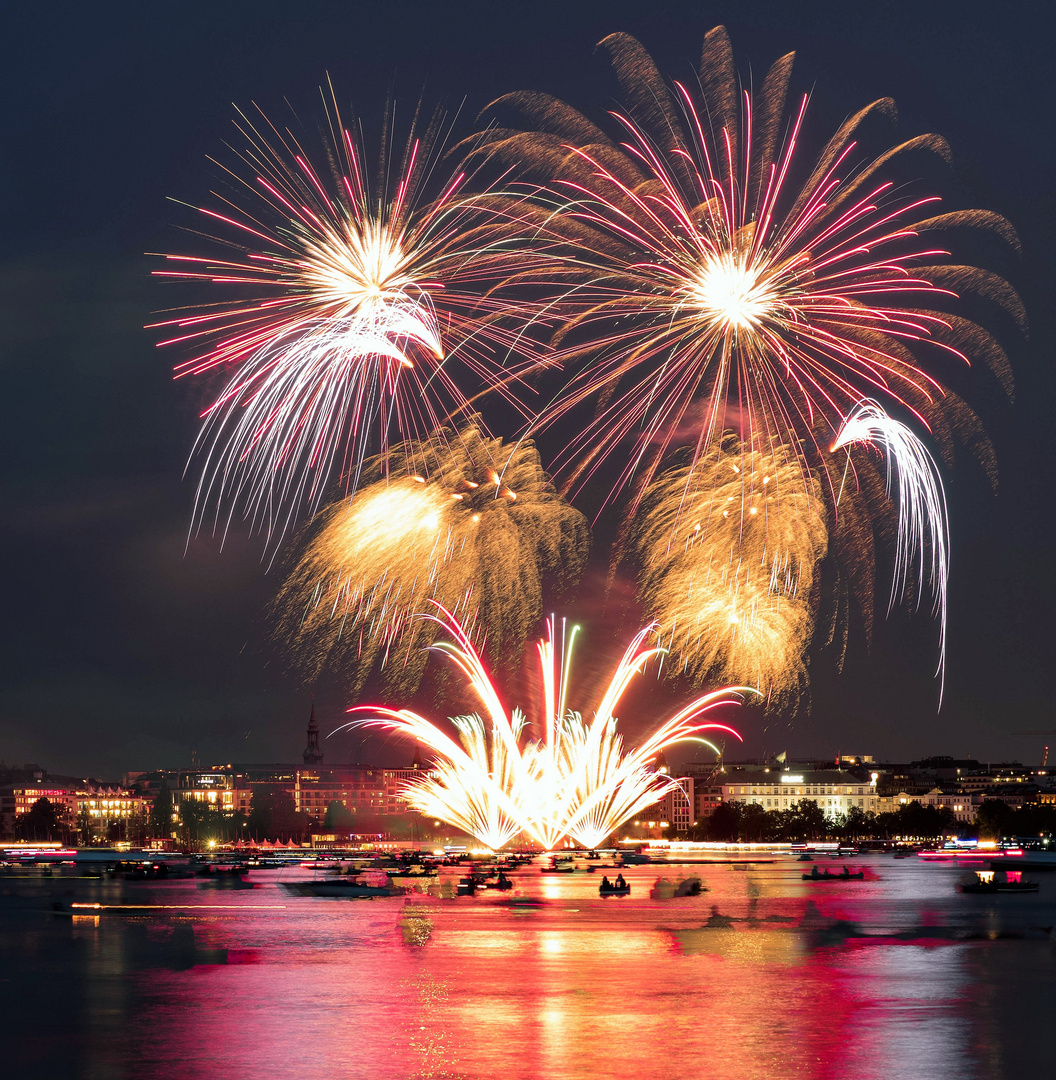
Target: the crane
(1045, 752)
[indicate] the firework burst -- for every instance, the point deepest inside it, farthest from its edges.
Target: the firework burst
(577, 779)
(713, 291)
(729, 549)
(358, 312)
(462, 519)
(717, 291)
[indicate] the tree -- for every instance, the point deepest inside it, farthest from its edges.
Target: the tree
(754, 823)
(84, 826)
(812, 823)
(338, 816)
(272, 813)
(858, 823)
(161, 812)
(995, 819)
(725, 821)
(44, 820)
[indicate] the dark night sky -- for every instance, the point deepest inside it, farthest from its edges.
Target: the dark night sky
(120, 652)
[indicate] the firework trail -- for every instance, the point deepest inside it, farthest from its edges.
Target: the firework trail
(923, 525)
(461, 519)
(358, 312)
(576, 780)
(729, 548)
(716, 290)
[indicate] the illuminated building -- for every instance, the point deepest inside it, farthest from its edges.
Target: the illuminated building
(963, 805)
(96, 811)
(834, 790)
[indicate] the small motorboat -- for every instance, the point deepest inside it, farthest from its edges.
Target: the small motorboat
(224, 881)
(825, 875)
(805, 858)
(619, 887)
(558, 868)
(996, 881)
(341, 886)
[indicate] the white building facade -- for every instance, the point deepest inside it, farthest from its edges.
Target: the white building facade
(835, 791)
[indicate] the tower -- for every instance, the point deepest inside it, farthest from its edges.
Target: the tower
(312, 754)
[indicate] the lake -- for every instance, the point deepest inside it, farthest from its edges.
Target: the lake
(897, 976)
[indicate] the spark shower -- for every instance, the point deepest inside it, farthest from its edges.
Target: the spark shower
(576, 778)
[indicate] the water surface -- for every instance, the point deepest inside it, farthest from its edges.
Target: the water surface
(895, 976)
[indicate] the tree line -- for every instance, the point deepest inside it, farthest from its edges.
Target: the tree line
(805, 820)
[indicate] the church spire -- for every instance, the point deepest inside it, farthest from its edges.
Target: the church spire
(313, 755)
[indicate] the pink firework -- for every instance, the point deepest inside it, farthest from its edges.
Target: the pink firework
(357, 315)
(716, 289)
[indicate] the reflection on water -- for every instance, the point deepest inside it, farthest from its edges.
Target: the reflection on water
(762, 975)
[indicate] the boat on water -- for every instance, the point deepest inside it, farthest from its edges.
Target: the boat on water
(224, 881)
(557, 868)
(619, 887)
(414, 870)
(637, 858)
(339, 886)
(995, 881)
(825, 875)
(666, 889)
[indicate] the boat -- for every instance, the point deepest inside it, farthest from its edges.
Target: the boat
(666, 889)
(412, 870)
(619, 887)
(224, 881)
(819, 875)
(636, 858)
(467, 886)
(805, 858)
(996, 881)
(339, 886)
(555, 868)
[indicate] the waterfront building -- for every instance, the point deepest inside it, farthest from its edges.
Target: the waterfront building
(962, 805)
(836, 791)
(98, 812)
(680, 804)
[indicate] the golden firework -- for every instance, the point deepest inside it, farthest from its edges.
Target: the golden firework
(462, 519)
(730, 549)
